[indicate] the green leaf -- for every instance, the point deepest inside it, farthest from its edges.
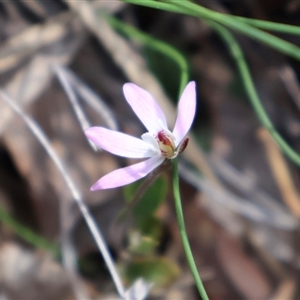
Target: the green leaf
(141, 244)
(145, 238)
(158, 270)
(150, 201)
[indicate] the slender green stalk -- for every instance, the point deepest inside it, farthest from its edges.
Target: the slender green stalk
(192, 9)
(237, 54)
(27, 234)
(248, 30)
(183, 234)
(271, 26)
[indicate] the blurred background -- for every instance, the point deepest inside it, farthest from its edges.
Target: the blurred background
(240, 194)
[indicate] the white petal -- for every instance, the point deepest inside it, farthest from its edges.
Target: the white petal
(128, 175)
(119, 143)
(186, 112)
(144, 106)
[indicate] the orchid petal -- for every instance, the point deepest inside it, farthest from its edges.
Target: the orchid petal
(128, 175)
(119, 143)
(144, 106)
(186, 112)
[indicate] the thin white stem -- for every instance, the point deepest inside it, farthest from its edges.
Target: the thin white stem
(83, 121)
(73, 85)
(42, 138)
(68, 252)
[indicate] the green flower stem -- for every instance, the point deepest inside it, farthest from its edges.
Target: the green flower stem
(27, 234)
(183, 233)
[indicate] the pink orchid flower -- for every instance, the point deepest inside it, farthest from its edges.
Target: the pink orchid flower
(157, 144)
